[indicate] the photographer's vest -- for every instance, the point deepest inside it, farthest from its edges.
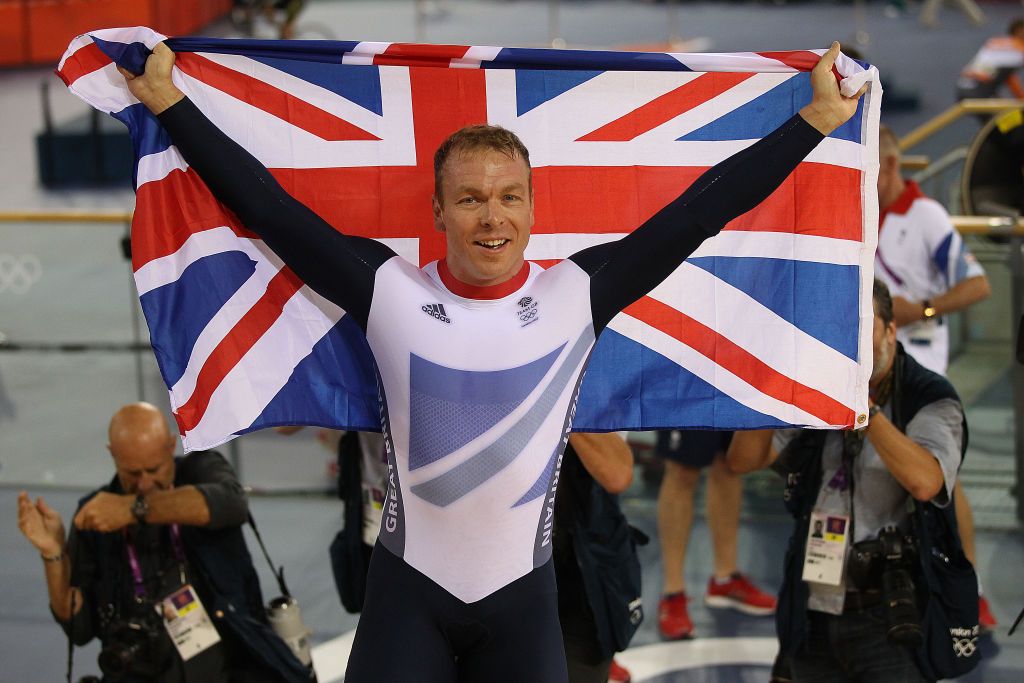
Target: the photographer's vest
(227, 584)
(935, 529)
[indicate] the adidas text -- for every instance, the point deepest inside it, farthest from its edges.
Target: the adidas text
(436, 311)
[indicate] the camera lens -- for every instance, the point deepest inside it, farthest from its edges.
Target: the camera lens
(116, 661)
(135, 647)
(902, 620)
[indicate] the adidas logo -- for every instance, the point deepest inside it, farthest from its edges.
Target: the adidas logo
(436, 311)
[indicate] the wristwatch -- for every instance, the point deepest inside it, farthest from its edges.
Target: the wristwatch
(140, 508)
(929, 310)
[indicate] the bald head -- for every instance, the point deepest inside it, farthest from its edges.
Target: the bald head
(138, 421)
(142, 447)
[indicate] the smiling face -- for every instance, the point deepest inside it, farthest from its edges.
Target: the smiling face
(484, 206)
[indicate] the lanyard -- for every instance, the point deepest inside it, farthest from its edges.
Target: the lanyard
(133, 560)
(840, 481)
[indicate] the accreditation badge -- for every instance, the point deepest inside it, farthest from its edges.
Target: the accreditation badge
(923, 332)
(187, 622)
(825, 554)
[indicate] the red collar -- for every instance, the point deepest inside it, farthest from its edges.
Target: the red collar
(910, 193)
(498, 291)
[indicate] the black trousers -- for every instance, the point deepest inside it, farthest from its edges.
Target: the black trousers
(413, 631)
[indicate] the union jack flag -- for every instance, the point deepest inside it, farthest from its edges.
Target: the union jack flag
(766, 325)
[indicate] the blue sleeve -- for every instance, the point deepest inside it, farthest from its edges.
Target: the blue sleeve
(339, 267)
(954, 260)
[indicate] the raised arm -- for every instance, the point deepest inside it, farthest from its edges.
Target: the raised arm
(44, 529)
(337, 266)
(623, 271)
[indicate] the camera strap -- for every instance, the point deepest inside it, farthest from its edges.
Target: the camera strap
(133, 560)
(71, 642)
(277, 572)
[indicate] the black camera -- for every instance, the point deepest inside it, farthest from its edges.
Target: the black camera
(887, 564)
(137, 645)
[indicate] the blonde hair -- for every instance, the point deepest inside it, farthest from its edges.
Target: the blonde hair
(474, 139)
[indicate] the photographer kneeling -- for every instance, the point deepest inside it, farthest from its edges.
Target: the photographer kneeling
(157, 568)
(859, 602)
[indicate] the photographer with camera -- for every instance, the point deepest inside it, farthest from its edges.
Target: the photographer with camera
(861, 602)
(157, 568)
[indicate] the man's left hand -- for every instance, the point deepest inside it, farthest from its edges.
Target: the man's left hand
(829, 108)
(106, 512)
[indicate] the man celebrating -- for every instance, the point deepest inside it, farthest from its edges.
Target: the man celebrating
(461, 585)
(163, 533)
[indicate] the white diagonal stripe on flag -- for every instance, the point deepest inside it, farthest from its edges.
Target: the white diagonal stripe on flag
(301, 89)
(158, 166)
(258, 377)
(279, 144)
(709, 371)
(781, 245)
(163, 271)
(711, 110)
(731, 61)
(581, 110)
(224, 322)
(105, 89)
(76, 44)
(474, 55)
(363, 53)
(747, 323)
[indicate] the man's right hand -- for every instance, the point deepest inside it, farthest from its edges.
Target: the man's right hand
(154, 87)
(41, 525)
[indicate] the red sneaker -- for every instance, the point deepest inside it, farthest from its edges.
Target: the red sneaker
(986, 620)
(740, 594)
(618, 674)
(673, 618)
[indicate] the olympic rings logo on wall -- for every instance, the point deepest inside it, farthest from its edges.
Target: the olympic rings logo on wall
(18, 272)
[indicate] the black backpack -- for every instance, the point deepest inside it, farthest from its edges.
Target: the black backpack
(946, 580)
(605, 546)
